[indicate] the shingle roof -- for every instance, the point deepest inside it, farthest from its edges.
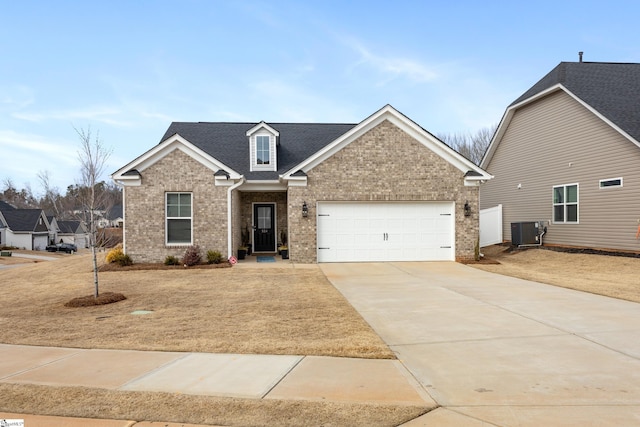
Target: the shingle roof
(115, 212)
(22, 219)
(68, 226)
(228, 142)
(612, 89)
(4, 206)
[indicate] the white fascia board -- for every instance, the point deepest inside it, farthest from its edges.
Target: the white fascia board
(175, 142)
(272, 185)
(262, 125)
(404, 123)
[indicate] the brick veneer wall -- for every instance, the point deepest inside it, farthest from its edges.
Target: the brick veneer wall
(384, 164)
(145, 209)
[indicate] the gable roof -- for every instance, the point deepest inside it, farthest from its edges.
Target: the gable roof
(610, 90)
(228, 142)
(472, 172)
(22, 220)
(224, 147)
(71, 227)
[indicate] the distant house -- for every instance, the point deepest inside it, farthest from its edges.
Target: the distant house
(53, 229)
(113, 217)
(567, 152)
(73, 232)
(383, 189)
(23, 228)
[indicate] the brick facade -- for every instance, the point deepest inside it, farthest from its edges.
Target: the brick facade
(145, 209)
(384, 164)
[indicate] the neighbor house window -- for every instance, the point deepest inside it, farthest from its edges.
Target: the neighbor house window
(179, 219)
(263, 152)
(611, 183)
(565, 203)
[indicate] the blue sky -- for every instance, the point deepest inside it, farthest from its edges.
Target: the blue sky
(127, 69)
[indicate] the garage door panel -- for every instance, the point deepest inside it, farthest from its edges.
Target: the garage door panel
(385, 231)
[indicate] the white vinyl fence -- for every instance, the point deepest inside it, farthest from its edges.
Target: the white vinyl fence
(491, 226)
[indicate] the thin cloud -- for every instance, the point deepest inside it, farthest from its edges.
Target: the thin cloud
(391, 67)
(16, 97)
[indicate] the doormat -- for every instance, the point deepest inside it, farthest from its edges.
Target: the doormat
(266, 259)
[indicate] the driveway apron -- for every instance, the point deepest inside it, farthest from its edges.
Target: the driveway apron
(501, 350)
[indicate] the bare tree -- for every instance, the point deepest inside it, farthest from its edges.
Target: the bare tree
(472, 146)
(51, 199)
(93, 156)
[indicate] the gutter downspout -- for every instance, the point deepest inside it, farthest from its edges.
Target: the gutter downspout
(229, 224)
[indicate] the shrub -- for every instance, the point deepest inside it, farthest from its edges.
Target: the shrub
(117, 256)
(171, 260)
(214, 257)
(114, 254)
(192, 256)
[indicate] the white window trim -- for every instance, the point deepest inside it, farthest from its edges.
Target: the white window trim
(167, 218)
(255, 167)
(601, 187)
(577, 203)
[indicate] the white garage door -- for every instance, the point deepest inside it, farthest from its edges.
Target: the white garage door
(386, 231)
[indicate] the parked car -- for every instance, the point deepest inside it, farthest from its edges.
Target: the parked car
(63, 247)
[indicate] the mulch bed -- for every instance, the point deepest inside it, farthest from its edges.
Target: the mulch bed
(90, 300)
(158, 266)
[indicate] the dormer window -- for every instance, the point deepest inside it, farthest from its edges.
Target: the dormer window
(263, 156)
(262, 146)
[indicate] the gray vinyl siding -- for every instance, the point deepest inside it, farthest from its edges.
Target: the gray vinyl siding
(556, 141)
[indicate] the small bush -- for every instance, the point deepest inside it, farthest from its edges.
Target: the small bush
(214, 257)
(120, 258)
(117, 255)
(171, 260)
(192, 256)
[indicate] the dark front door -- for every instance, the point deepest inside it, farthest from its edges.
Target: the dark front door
(264, 233)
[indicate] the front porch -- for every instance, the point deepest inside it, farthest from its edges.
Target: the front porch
(262, 224)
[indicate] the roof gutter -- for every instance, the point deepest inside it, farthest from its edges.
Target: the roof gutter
(229, 216)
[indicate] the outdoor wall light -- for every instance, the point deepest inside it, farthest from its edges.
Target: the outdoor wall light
(467, 209)
(305, 210)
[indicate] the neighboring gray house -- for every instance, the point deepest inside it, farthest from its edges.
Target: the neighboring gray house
(567, 152)
(73, 232)
(23, 228)
(384, 189)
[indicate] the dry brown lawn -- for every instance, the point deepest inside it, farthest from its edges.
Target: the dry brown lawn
(223, 310)
(180, 408)
(613, 276)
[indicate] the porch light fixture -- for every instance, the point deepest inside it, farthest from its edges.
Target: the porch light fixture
(467, 209)
(305, 210)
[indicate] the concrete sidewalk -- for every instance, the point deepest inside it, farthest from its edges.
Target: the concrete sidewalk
(497, 350)
(311, 378)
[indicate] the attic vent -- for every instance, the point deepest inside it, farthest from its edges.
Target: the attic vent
(580, 56)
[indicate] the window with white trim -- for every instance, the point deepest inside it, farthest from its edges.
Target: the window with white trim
(610, 183)
(565, 204)
(263, 150)
(179, 219)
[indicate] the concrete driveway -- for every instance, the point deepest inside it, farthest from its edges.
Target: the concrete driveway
(496, 350)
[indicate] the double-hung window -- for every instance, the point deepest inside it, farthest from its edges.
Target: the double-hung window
(179, 219)
(263, 150)
(565, 203)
